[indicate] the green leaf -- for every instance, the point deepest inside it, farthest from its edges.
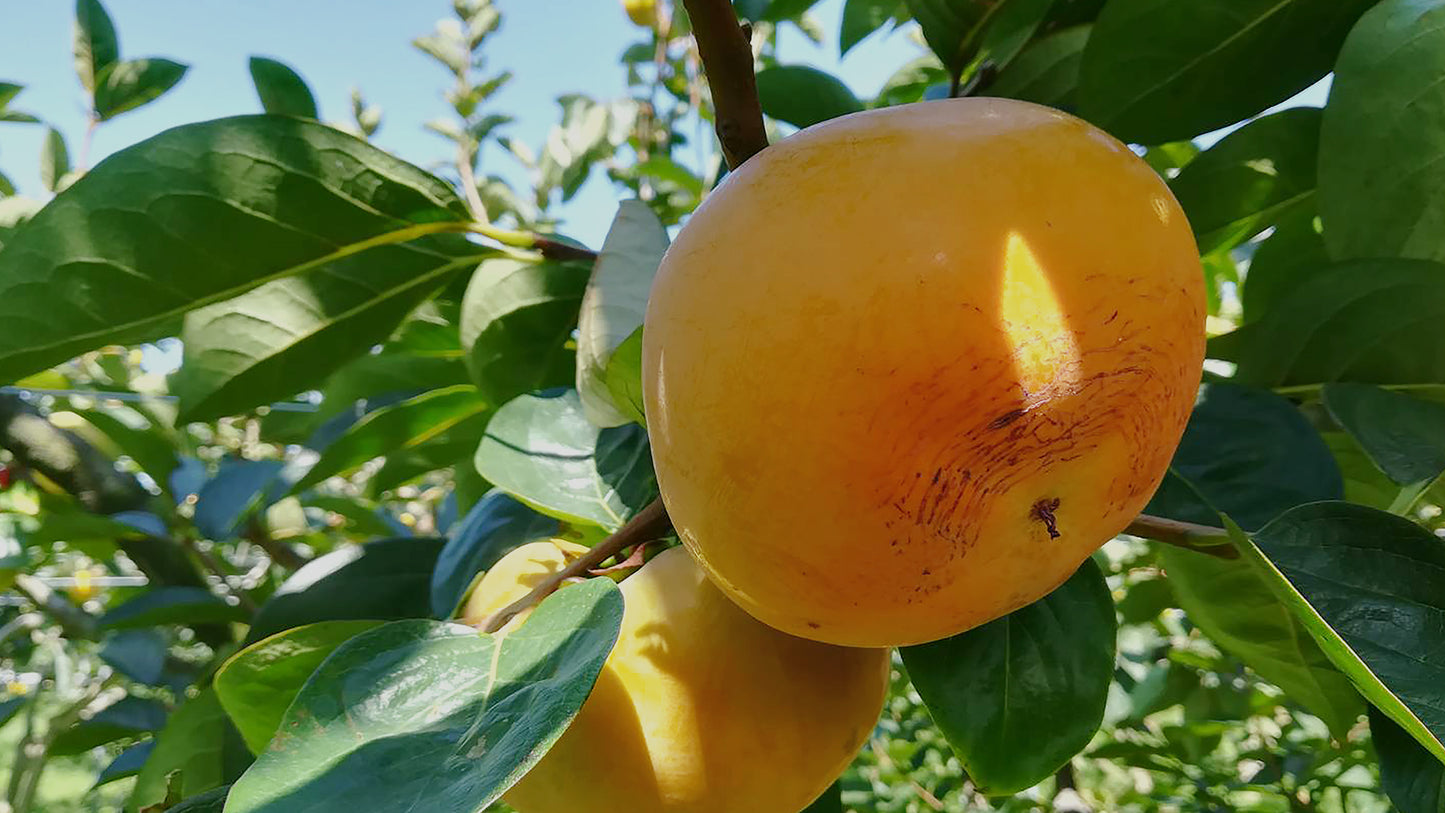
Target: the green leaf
(171, 605)
(138, 654)
(128, 717)
(257, 684)
(395, 428)
(1168, 70)
(1364, 482)
(290, 334)
(363, 518)
(1382, 148)
(1018, 696)
(383, 580)
(1283, 261)
(952, 28)
(212, 801)
(54, 160)
(1251, 179)
(193, 742)
(624, 378)
(113, 259)
(238, 488)
(1375, 321)
(1404, 435)
(8, 92)
(1413, 779)
(133, 435)
(11, 706)
(128, 763)
(493, 527)
(433, 693)
(910, 82)
(542, 450)
(861, 18)
(95, 45)
(614, 304)
(1231, 601)
(127, 85)
(281, 89)
(830, 802)
(1370, 587)
(1011, 25)
(779, 10)
(1247, 453)
(1047, 71)
(803, 96)
(516, 324)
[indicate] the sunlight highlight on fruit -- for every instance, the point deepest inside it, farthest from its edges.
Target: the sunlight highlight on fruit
(1046, 356)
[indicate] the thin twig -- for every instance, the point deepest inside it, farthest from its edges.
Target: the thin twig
(1188, 535)
(219, 571)
(727, 59)
(649, 524)
(74, 621)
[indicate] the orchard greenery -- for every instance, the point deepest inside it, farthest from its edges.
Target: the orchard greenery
(394, 375)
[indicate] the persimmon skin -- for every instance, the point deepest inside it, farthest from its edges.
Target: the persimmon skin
(700, 708)
(906, 369)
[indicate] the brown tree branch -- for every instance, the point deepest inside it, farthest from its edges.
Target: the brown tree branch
(727, 59)
(649, 524)
(1198, 538)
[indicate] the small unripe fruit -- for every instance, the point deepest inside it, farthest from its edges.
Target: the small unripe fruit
(906, 369)
(641, 12)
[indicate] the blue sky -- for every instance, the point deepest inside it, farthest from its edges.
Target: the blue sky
(552, 46)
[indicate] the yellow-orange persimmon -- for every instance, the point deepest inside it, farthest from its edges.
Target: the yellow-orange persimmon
(699, 708)
(906, 369)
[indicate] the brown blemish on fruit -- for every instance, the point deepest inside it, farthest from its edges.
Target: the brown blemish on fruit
(1043, 511)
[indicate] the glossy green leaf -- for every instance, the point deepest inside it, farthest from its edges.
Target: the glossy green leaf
(95, 44)
(383, 580)
(517, 322)
(1376, 321)
(1370, 587)
(54, 159)
(1047, 71)
(367, 383)
(861, 18)
(803, 96)
(1248, 453)
(1231, 601)
(1382, 150)
(542, 450)
(1283, 261)
(290, 334)
(1364, 482)
(193, 742)
(171, 605)
(1011, 24)
(395, 428)
(281, 88)
(624, 378)
(1404, 435)
(428, 710)
(257, 684)
(132, 434)
(237, 490)
(126, 718)
(1019, 696)
(614, 304)
(910, 82)
(495, 526)
(1167, 70)
(1251, 179)
(127, 85)
(127, 763)
(952, 28)
(114, 257)
(1413, 779)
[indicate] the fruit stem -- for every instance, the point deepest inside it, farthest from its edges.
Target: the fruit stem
(1187, 535)
(727, 59)
(648, 524)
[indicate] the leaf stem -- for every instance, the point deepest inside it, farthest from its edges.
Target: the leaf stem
(550, 249)
(1188, 535)
(648, 524)
(727, 59)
